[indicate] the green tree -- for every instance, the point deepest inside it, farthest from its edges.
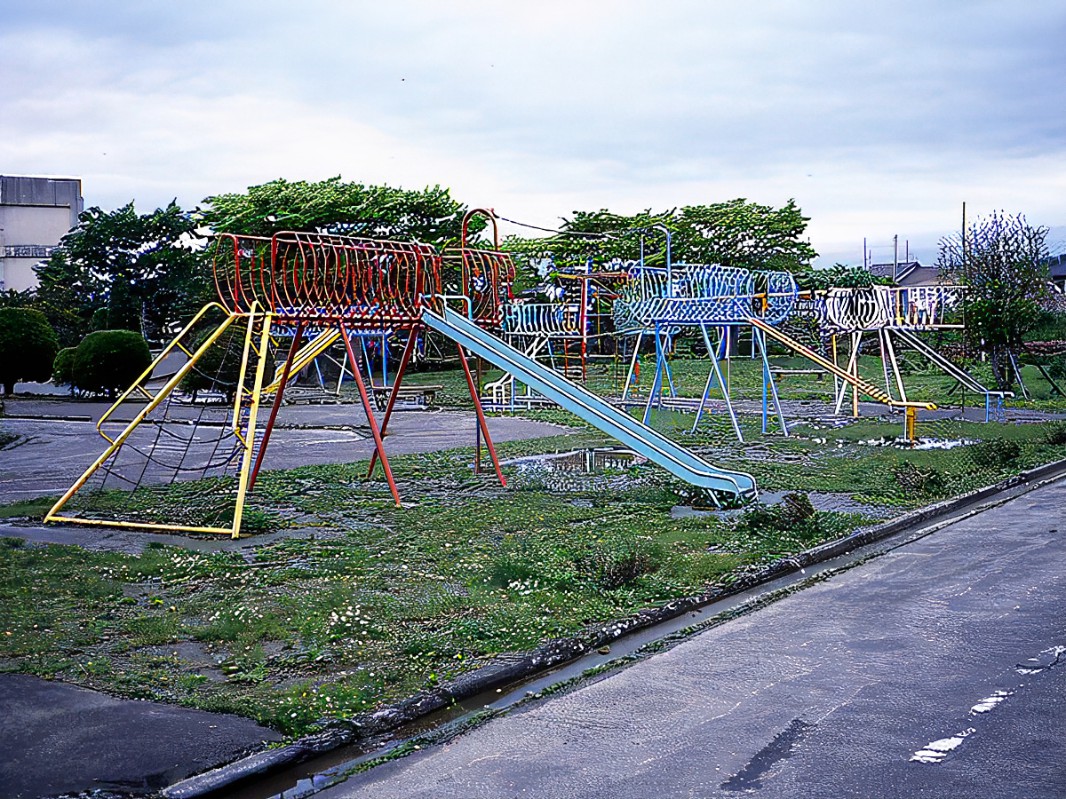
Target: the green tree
(146, 269)
(28, 346)
(735, 233)
(110, 360)
(63, 368)
(1002, 262)
(840, 276)
(334, 206)
(745, 234)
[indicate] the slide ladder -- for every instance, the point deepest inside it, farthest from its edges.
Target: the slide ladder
(864, 386)
(593, 409)
(993, 399)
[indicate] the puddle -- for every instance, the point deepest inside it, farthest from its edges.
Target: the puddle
(597, 460)
(921, 443)
(825, 501)
(599, 468)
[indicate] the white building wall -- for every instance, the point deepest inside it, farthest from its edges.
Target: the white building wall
(35, 213)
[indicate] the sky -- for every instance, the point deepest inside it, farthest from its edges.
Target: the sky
(880, 119)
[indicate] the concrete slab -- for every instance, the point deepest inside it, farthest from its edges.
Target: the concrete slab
(56, 738)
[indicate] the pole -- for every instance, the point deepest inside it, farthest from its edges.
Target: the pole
(895, 257)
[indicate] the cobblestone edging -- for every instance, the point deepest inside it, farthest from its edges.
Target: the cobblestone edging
(559, 651)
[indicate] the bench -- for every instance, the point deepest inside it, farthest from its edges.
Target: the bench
(779, 373)
(409, 397)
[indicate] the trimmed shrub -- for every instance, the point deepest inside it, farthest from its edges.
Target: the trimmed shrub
(219, 368)
(63, 367)
(110, 359)
(99, 320)
(28, 346)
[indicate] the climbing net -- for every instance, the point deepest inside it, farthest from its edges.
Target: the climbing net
(186, 421)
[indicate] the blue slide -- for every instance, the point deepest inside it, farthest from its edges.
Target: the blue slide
(593, 409)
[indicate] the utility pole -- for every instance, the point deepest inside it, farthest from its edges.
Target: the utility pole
(895, 257)
(964, 267)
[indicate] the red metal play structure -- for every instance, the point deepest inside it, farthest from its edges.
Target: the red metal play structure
(320, 288)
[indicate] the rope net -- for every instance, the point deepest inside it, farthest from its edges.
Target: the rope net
(188, 423)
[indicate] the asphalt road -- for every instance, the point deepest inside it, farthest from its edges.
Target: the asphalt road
(936, 670)
(55, 451)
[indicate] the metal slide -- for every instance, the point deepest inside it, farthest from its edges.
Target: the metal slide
(867, 388)
(946, 366)
(593, 409)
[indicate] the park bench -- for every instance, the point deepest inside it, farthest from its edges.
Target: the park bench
(409, 397)
(780, 373)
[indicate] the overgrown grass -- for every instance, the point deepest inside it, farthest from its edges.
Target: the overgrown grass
(362, 603)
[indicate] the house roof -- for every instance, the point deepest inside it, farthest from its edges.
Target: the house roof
(902, 270)
(1057, 267)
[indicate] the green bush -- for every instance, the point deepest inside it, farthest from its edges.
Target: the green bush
(63, 367)
(1055, 434)
(108, 360)
(995, 453)
(28, 346)
(219, 367)
(917, 482)
(99, 320)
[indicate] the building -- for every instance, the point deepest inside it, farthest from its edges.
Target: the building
(35, 213)
(1056, 266)
(908, 273)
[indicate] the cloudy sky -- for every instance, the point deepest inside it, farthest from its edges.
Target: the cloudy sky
(879, 118)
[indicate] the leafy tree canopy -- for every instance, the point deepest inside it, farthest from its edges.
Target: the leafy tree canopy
(735, 233)
(840, 276)
(145, 269)
(335, 206)
(109, 360)
(28, 345)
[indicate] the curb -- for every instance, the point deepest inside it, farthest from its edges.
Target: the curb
(559, 651)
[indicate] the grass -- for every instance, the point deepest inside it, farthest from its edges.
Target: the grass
(362, 604)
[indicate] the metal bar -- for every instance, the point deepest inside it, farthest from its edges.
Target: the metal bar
(158, 360)
(768, 379)
(895, 365)
(368, 407)
(276, 406)
(121, 438)
(249, 436)
(181, 528)
(482, 422)
(632, 365)
(408, 351)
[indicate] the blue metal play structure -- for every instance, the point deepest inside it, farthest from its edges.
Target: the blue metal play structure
(662, 302)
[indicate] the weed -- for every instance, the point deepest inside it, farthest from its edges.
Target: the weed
(995, 453)
(914, 481)
(1055, 434)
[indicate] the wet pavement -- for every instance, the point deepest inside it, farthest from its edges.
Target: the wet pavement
(935, 670)
(57, 738)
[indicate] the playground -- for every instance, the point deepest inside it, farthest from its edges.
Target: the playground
(382, 547)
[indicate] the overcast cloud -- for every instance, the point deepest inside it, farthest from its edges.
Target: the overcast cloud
(878, 118)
